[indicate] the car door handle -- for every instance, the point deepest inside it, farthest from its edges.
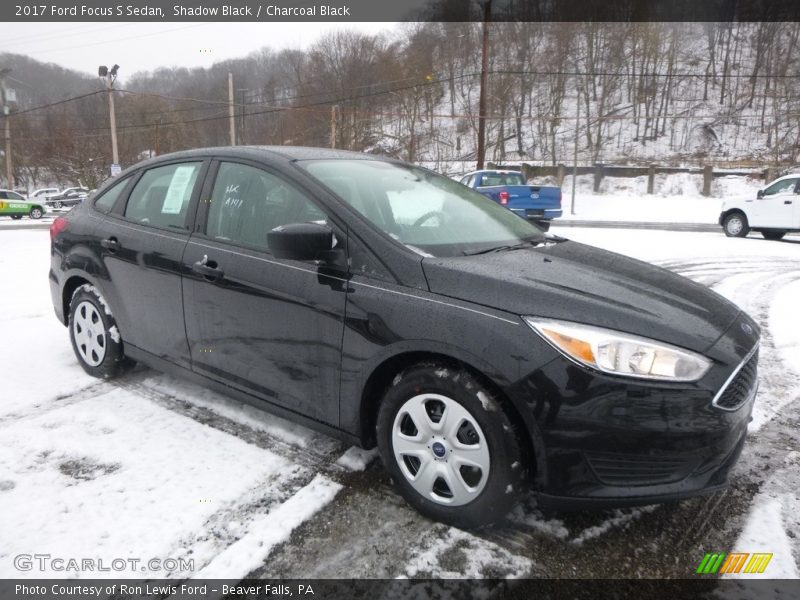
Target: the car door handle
(208, 269)
(111, 244)
(787, 201)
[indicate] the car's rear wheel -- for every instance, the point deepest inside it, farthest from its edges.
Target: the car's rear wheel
(449, 446)
(94, 334)
(36, 213)
(735, 225)
(773, 234)
(57, 204)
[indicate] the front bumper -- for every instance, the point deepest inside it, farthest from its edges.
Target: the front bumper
(612, 441)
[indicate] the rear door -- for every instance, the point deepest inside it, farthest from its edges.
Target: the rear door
(142, 242)
(270, 327)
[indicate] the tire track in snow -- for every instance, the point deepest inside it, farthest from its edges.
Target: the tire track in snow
(68, 399)
(754, 291)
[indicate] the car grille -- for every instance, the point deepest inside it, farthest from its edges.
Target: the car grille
(739, 388)
(636, 469)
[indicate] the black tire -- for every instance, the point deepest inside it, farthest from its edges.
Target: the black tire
(16, 217)
(505, 481)
(773, 234)
(113, 361)
(57, 204)
(36, 213)
(735, 225)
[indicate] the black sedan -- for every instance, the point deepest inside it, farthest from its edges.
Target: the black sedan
(67, 197)
(387, 305)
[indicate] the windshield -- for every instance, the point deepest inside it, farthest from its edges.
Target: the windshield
(429, 213)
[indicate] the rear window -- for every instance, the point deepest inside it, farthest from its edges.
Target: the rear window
(502, 179)
(161, 197)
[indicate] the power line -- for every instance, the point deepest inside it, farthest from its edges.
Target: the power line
(59, 103)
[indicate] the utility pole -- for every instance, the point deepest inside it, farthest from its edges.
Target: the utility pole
(108, 77)
(231, 114)
(487, 13)
(158, 137)
(7, 118)
(575, 153)
(242, 107)
(334, 108)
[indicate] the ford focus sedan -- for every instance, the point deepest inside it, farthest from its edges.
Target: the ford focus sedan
(389, 306)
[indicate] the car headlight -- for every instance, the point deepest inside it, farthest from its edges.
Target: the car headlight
(620, 353)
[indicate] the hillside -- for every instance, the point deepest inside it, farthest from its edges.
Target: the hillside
(630, 93)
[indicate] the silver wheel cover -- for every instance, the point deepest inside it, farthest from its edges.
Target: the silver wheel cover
(735, 225)
(89, 334)
(444, 455)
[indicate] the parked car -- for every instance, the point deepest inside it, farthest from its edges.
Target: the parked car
(68, 197)
(540, 204)
(390, 306)
(775, 211)
(42, 193)
(14, 205)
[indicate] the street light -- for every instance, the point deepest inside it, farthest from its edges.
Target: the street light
(108, 77)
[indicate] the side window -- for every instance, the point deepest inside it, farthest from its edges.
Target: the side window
(106, 202)
(247, 203)
(3, 196)
(161, 197)
(15, 196)
(781, 186)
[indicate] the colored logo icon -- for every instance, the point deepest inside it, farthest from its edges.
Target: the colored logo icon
(733, 562)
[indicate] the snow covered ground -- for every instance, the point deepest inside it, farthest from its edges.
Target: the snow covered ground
(677, 198)
(152, 467)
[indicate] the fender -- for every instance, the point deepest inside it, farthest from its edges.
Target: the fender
(499, 379)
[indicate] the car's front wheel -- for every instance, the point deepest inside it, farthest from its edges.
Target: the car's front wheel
(36, 213)
(57, 204)
(735, 225)
(94, 334)
(16, 217)
(449, 446)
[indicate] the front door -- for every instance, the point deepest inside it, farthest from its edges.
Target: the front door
(267, 326)
(776, 208)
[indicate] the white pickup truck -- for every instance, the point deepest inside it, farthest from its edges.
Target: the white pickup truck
(775, 211)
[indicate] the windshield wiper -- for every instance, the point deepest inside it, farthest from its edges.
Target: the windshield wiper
(505, 248)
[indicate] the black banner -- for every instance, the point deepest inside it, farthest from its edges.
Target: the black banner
(397, 589)
(398, 10)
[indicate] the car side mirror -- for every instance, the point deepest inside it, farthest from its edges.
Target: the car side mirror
(300, 241)
(760, 194)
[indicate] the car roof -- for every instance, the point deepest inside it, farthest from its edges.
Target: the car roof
(789, 176)
(287, 153)
(5, 190)
(503, 171)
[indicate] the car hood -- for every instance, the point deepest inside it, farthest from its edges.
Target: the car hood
(580, 283)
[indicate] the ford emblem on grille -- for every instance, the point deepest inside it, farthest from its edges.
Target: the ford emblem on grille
(747, 329)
